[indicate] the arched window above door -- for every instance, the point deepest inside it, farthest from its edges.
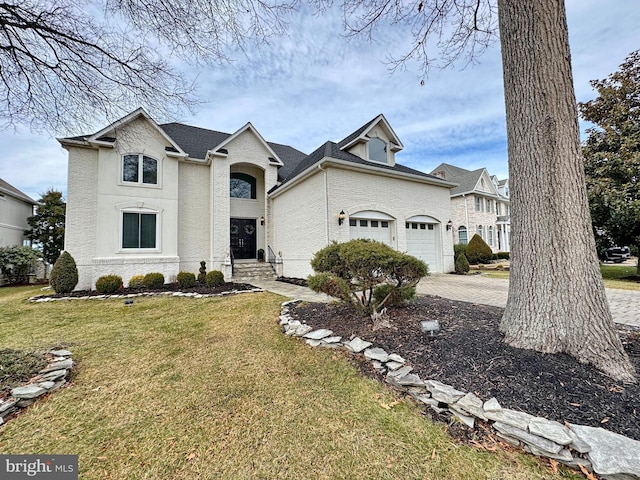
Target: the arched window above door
(242, 185)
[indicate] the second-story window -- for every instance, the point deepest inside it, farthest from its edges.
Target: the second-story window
(478, 204)
(498, 208)
(139, 169)
(242, 185)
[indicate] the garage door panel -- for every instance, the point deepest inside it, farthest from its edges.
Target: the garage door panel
(422, 242)
(379, 230)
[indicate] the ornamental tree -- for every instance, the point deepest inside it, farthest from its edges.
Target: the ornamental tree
(47, 226)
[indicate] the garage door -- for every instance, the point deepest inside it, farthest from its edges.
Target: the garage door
(422, 243)
(379, 230)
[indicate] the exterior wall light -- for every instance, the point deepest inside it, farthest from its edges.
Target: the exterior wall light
(341, 217)
(261, 220)
(449, 225)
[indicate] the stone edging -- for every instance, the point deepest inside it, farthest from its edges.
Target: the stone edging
(49, 379)
(609, 454)
(46, 298)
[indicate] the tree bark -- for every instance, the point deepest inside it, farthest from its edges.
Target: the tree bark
(556, 299)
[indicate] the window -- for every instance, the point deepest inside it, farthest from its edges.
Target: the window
(242, 185)
(364, 223)
(480, 231)
(490, 236)
(353, 222)
(139, 169)
(377, 150)
(462, 235)
(489, 205)
(138, 230)
(498, 208)
(478, 204)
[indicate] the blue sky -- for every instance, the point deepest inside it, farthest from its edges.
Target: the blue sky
(314, 85)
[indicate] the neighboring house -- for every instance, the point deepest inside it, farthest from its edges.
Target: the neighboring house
(479, 204)
(15, 208)
(144, 197)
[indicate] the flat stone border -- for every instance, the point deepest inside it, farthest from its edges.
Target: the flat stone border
(609, 454)
(49, 379)
(46, 298)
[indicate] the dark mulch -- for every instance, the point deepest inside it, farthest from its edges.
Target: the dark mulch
(301, 282)
(469, 354)
(168, 287)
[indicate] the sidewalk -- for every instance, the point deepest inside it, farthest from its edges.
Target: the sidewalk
(624, 304)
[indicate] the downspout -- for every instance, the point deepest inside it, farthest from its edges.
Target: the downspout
(326, 204)
(466, 214)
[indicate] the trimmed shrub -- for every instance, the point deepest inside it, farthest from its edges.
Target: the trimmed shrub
(459, 249)
(153, 281)
(355, 270)
(478, 251)
(215, 278)
(64, 274)
(398, 295)
(186, 279)
(17, 262)
(502, 256)
(462, 264)
(108, 284)
(137, 281)
(202, 273)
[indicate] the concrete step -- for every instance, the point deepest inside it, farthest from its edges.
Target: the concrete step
(253, 271)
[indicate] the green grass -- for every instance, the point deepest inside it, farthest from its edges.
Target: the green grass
(180, 388)
(614, 276)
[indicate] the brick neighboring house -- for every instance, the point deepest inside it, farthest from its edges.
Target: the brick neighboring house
(144, 197)
(15, 208)
(479, 204)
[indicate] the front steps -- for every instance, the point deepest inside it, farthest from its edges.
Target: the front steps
(248, 272)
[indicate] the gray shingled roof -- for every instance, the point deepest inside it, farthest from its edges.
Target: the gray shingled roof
(332, 150)
(14, 192)
(466, 179)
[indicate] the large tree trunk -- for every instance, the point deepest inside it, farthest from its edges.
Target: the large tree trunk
(556, 300)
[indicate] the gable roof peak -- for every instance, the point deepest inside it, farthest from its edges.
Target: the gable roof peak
(361, 134)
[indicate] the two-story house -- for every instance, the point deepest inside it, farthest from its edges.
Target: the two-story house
(15, 208)
(144, 197)
(479, 204)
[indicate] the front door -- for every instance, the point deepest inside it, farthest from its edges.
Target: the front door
(243, 238)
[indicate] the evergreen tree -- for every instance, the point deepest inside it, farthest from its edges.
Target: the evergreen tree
(612, 154)
(47, 226)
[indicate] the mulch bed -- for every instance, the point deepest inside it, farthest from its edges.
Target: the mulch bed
(167, 287)
(469, 354)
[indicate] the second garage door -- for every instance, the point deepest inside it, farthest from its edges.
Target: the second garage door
(422, 243)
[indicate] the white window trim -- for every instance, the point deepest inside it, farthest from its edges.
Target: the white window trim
(158, 214)
(140, 183)
(386, 161)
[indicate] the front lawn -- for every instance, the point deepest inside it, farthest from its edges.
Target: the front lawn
(185, 388)
(614, 276)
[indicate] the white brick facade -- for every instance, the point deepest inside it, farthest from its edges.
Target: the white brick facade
(193, 209)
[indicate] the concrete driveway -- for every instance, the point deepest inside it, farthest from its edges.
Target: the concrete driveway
(624, 304)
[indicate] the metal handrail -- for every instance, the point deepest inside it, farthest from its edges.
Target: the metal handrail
(271, 256)
(233, 259)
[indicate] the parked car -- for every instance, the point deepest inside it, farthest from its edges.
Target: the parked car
(616, 254)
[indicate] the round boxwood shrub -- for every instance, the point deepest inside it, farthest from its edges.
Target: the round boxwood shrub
(459, 249)
(215, 278)
(186, 279)
(154, 280)
(137, 281)
(478, 251)
(64, 274)
(108, 284)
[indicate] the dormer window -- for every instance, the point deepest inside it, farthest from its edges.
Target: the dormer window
(139, 169)
(378, 150)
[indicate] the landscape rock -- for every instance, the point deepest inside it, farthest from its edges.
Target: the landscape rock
(444, 393)
(357, 345)
(55, 375)
(334, 339)
(554, 431)
(28, 392)
(563, 455)
(376, 354)
(394, 357)
(472, 404)
(612, 455)
(46, 385)
(526, 437)
(60, 353)
(491, 405)
(318, 334)
(410, 380)
(7, 404)
(394, 365)
(59, 365)
(510, 417)
(469, 421)
(313, 343)
(401, 372)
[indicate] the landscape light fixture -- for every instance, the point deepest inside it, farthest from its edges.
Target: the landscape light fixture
(430, 328)
(341, 217)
